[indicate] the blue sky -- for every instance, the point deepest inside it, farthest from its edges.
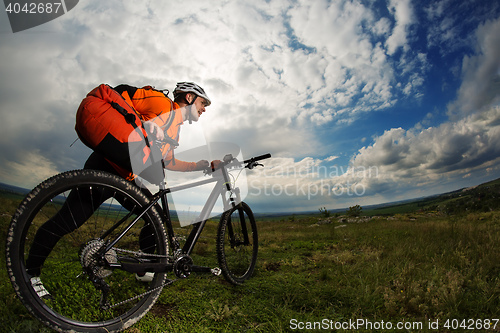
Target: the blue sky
(360, 102)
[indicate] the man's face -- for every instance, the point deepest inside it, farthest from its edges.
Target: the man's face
(200, 104)
(198, 108)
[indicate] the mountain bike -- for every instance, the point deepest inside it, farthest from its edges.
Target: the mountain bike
(93, 273)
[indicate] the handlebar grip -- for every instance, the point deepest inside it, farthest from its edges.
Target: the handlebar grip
(258, 158)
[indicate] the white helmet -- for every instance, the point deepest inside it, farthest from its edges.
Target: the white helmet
(186, 87)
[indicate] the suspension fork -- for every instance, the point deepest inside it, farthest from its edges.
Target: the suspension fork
(244, 230)
(230, 203)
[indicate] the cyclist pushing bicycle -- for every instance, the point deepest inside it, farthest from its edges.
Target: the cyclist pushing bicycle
(91, 234)
(190, 101)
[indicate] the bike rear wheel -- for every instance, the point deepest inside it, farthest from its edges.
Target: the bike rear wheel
(72, 270)
(237, 244)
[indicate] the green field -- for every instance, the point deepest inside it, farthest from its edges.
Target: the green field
(415, 268)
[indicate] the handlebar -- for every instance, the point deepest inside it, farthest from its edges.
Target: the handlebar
(230, 161)
(252, 163)
(257, 158)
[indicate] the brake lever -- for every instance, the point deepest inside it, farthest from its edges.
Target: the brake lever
(253, 164)
(159, 144)
(166, 140)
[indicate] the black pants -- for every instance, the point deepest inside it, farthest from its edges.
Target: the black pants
(77, 208)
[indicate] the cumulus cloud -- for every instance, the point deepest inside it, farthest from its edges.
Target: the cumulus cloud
(452, 146)
(481, 73)
(363, 71)
(400, 163)
(403, 14)
(311, 183)
(30, 168)
(468, 142)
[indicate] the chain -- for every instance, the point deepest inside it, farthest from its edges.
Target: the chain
(166, 283)
(215, 271)
(140, 253)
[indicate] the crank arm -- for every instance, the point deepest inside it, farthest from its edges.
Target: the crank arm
(201, 269)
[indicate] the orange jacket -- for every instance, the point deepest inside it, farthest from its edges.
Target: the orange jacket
(153, 105)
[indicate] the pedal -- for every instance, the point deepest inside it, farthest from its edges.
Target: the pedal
(216, 271)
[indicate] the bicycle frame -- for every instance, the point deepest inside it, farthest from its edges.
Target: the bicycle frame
(222, 186)
(218, 189)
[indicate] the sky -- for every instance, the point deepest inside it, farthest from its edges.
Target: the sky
(359, 102)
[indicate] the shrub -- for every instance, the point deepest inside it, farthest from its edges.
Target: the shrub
(324, 212)
(354, 211)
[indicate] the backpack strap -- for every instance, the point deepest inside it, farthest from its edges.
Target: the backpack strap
(158, 90)
(125, 87)
(129, 118)
(170, 120)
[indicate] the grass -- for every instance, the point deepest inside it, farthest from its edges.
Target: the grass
(414, 268)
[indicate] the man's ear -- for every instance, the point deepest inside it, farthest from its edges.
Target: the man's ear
(190, 98)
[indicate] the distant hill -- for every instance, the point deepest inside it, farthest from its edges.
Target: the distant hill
(484, 197)
(13, 191)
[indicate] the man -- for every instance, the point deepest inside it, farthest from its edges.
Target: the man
(161, 118)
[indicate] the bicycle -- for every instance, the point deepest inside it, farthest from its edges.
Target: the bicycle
(96, 264)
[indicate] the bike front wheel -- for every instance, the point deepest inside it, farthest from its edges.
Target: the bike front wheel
(237, 244)
(58, 235)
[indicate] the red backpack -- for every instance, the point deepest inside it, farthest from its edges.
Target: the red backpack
(106, 123)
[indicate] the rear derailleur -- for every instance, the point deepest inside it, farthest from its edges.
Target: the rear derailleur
(96, 265)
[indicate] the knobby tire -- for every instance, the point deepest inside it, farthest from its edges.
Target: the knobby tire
(75, 300)
(237, 244)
